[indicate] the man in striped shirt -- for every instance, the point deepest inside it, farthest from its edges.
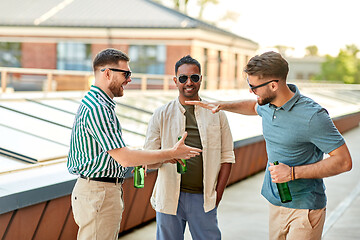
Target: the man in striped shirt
(98, 152)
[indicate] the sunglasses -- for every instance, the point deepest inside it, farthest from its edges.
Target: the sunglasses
(252, 87)
(194, 78)
(127, 73)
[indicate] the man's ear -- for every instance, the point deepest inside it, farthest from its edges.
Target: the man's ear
(175, 80)
(107, 74)
(274, 86)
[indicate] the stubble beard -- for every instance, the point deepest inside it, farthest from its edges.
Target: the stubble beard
(266, 100)
(116, 90)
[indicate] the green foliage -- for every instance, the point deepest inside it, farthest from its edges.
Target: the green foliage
(312, 50)
(345, 67)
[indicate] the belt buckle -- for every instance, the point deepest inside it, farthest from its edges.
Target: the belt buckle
(120, 180)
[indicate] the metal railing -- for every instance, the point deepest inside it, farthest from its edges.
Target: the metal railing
(48, 80)
(52, 77)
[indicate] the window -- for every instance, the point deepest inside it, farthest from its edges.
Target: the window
(147, 58)
(74, 56)
(10, 54)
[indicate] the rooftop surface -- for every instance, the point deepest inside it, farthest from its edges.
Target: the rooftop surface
(243, 212)
(35, 130)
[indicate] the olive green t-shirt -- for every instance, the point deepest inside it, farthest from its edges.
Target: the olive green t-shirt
(192, 180)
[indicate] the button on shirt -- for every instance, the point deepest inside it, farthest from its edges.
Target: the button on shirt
(167, 123)
(96, 130)
(298, 133)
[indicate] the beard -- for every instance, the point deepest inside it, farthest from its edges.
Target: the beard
(266, 100)
(116, 89)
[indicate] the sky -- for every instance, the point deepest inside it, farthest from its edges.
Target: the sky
(330, 25)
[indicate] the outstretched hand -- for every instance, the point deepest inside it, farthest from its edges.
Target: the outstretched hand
(214, 107)
(182, 151)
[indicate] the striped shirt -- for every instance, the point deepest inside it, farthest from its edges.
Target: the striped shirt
(96, 130)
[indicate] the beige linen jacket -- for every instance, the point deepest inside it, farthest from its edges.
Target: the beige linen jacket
(165, 126)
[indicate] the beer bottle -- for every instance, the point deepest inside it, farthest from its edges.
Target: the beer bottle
(284, 190)
(180, 168)
(138, 177)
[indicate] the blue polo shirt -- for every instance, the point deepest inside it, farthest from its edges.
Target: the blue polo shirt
(298, 133)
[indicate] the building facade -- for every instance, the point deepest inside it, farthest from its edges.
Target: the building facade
(305, 68)
(66, 35)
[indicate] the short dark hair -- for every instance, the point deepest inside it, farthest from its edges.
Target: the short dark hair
(187, 60)
(269, 64)
(109, 56)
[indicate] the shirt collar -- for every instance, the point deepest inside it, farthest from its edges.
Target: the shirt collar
(289, 104)
(102, 96)
(182, 109)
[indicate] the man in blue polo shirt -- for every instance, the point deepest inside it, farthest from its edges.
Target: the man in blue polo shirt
(297, 131)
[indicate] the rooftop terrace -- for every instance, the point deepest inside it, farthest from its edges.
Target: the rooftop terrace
(35, 130)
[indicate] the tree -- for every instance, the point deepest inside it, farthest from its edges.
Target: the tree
(202, 4)
(177, 4)
(345, 67)
(312, 50)
(283, 49)
(182, 5)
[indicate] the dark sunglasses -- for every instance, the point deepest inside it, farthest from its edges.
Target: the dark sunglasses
(261, 85)
(127, 73)
(194, 77)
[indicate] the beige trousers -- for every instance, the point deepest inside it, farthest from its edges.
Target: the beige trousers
(97, 209)
(295, 224)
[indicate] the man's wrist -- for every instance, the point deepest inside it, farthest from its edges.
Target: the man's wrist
(292, 173)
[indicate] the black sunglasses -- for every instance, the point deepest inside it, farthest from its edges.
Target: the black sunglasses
(194, 77)
(261, 85)
(127, 73)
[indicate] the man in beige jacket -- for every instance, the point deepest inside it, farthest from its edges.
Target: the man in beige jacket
(191, 197)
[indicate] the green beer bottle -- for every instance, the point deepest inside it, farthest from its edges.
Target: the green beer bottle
(284, 190)
(180, 168)
(138, 177)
